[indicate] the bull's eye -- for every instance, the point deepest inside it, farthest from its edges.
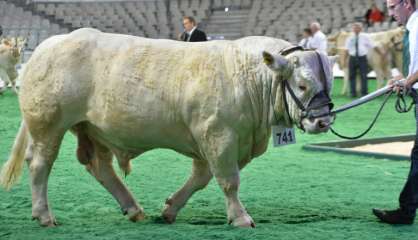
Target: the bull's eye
(302, 88)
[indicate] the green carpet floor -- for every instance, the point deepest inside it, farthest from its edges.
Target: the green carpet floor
(290, 193)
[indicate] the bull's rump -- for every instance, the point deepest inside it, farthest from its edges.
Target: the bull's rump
(133, 92)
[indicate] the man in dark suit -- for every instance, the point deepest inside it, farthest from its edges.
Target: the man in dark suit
(191, 33)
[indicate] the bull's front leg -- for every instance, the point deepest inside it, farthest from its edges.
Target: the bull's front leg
(223, 152)
(346, 82)
(13, 77)
(5, 78)
(229, 180)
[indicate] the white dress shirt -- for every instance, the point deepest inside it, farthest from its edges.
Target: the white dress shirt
(364, 44)
(319, 42)
(190, 33)
(412, 27)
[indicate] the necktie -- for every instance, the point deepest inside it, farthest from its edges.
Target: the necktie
(406, 57)
(356, 43)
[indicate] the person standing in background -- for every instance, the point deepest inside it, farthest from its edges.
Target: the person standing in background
(319, 40)
(374, 15)
(307, 36)
(191, 32)
(358, 46)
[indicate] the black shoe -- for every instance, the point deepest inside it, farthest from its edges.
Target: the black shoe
(393, 216)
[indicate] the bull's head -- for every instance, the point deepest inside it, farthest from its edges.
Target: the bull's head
(14, 47)
(303, 81)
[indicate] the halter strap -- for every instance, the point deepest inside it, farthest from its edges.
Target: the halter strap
(306, 112)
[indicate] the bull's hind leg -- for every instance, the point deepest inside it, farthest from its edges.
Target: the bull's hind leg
(45, 149)
(198, 180)
(100, 166)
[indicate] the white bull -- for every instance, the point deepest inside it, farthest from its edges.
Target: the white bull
(389, 42)
(122, 95)
(10, 56)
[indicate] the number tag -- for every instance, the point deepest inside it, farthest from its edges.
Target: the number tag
(283, 136)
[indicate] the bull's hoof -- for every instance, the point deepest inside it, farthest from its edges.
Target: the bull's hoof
(169, 215)
(46, 221)
(139, 216)
(135, 214)
(244, 221)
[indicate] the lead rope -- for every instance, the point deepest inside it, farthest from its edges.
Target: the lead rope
(400, 106)
(370, 126)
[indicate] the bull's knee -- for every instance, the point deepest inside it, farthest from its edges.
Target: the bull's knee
(229, 184)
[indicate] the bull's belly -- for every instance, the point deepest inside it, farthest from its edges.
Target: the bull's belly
(144, 137)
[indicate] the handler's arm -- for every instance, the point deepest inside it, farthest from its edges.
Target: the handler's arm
(412, 79)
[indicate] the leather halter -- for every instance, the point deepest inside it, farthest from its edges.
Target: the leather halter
(319, 100)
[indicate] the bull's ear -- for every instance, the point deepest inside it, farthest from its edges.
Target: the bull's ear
(6, 42)
(333, 59)
(275, 62)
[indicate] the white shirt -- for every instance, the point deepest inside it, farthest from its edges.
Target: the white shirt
(305, 42)
(364, 44)
(190, 33)
(412, 26)
(319, 42)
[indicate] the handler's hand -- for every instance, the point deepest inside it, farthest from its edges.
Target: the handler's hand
(396, 87)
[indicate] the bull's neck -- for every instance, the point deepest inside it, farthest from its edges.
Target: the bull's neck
(267, 101)
(277, 106)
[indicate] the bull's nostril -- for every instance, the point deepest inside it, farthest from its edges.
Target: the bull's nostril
(322, 124)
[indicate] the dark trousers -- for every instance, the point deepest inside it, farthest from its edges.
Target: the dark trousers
(358, 63)
(408, 199)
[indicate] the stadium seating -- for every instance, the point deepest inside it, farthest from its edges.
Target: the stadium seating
(229, 19)
(19, 22)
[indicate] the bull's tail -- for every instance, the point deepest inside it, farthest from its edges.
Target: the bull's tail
(12, 169)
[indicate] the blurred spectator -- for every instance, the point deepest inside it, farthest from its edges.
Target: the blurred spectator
(374, 15)
(307, 36)
(191, 33)
(319, 40)
(1, 31)
(358, 45)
